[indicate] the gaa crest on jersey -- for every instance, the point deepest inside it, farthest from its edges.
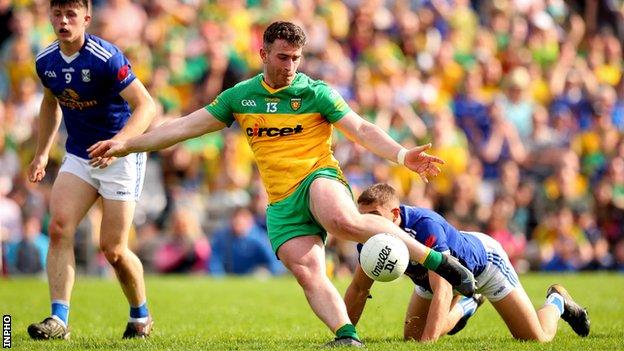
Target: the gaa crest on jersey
(86, 75)
(295, 103)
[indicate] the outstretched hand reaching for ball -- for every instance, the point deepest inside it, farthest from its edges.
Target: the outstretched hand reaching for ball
(417, 160)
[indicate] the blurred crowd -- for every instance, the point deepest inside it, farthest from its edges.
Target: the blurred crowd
(523, 99)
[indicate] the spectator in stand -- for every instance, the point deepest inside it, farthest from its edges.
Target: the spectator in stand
(567, 185)
(605, 58)
(596, 144)
(571, 88)
(451, 145)
(29, 255)
(23, 110)
(618, 108)
(492, 76)
(242, 247)
(609, 218)
(606, 100)
(461, 208)
(121, 22)
(147, 245)
(10, 213)
(501, 143)
(17, 52)
(9, 161)
(500, 227)
(186, 248)
(619, 256)
(562, 243)
(517, 108)
(6, 13)
(470, 110)
(601, 257)
(544, 145)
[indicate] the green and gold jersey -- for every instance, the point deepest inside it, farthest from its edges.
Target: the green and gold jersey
(289, 129)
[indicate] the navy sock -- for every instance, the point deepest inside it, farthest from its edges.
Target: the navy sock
(60, 310)
(139, 312)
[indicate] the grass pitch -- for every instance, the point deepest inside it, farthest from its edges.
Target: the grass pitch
(201, 313)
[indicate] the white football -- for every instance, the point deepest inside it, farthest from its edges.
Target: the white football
(384, 257)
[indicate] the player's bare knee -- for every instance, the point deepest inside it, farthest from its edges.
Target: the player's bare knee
(531, 336)
(346, 226)
(307, 277)
(528, 332)
(61, 232)
(303, 276)
(541, 337)
(113, 253)
(411, 332)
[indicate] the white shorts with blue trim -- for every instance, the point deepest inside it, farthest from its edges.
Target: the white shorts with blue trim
(122, 180)
(497, 280)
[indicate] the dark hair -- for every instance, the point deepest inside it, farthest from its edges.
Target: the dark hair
(290, 32)
(380, 193)
(84, 3)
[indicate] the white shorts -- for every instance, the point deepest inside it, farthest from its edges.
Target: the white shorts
(121, 180)
(497, 280)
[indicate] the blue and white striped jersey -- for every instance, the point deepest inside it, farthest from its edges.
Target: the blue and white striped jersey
(87, 86)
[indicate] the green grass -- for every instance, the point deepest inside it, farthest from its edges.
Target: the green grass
(193, 313)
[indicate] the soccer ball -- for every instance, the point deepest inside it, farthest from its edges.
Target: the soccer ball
(384, 257)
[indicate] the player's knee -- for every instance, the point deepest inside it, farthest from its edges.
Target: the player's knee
(412, 332)
(307, 276)
(346, 225)
(113, 253)
(61, 232)
(532, 336)
(540, 337)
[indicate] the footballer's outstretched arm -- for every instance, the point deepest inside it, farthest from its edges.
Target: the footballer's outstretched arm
(377, 141)
(357, 293)
(143, 112)
(50, 116)
(193, 125)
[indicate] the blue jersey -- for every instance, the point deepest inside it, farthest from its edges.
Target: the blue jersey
(87, 86)
(432, 230)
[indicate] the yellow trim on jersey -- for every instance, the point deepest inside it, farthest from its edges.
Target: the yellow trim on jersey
(271, 90)
(287, 148)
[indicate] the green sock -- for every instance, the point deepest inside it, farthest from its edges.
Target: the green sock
(433, 260)
(347, 330)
